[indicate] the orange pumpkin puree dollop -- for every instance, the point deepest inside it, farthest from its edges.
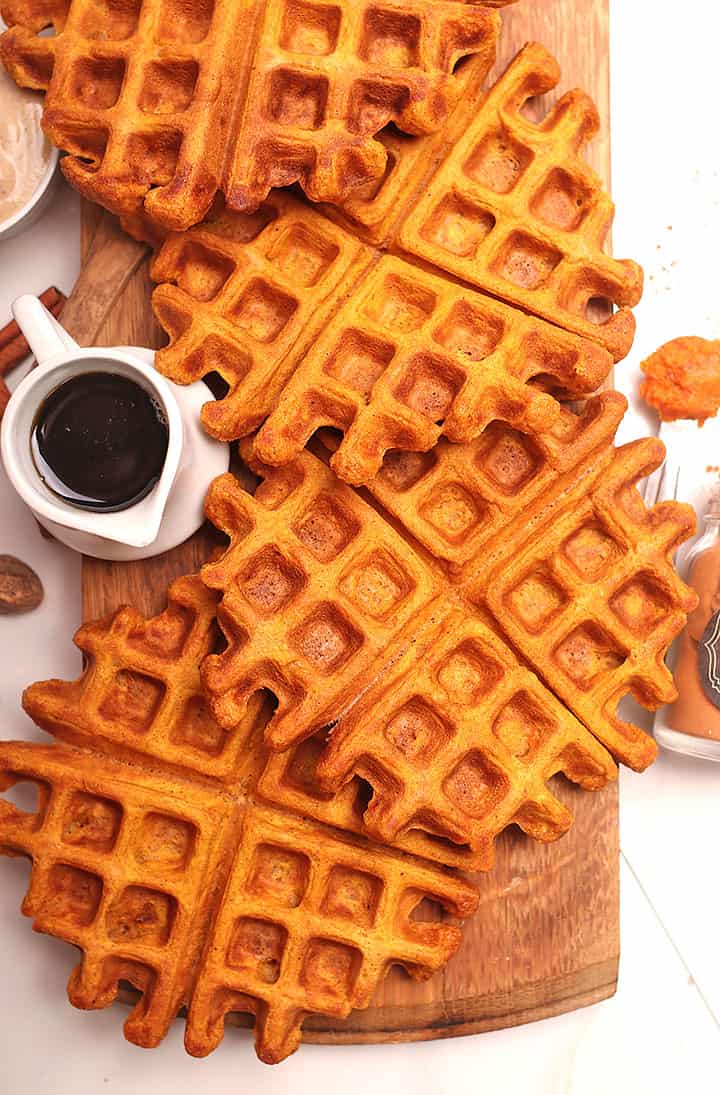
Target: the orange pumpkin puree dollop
(682, 379)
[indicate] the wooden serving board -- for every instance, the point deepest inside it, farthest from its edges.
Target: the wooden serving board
(545, 939)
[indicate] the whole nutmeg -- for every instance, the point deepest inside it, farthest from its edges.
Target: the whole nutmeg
(20, 588)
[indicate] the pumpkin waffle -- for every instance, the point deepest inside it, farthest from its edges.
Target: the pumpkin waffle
(139, 699)
(558, 564)
(421, 761)
(516, 211)
(456, 499)
(160, 106)
(420, 210)
(593, 600)
(411, 356)
(371, 211)
(141, 690)
(131, 662)
(243, 297)
(289, 779)
(575, 570)
(293, 312)
(176, 878)
(310, 922)
(325, 79)
(459, 739)
(315, 586)
(124, 866)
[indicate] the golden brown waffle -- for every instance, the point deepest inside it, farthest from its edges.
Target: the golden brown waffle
(550, 534)
(125, 867)
(243, 297)
(289, 779)
(315, 586)
(139, 696)
(454, 736)
(417, 754)
(162, 105)
(135, 95)
(459, 740)
(457, 499)
(326, 78)
(141, 689)
(441, 367)
(372, 211)
(131, 662)
(168, 872)
(388, 352)
(408, 385)
(199, 899)
(310, 922)
(411, 356)
(592, 598)
(516, 211)
(585, 504)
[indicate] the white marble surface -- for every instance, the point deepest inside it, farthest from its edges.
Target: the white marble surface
(660, 1032)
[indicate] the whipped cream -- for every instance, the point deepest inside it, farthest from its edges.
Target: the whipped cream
(24, 150)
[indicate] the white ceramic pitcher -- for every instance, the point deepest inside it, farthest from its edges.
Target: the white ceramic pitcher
(173, 509)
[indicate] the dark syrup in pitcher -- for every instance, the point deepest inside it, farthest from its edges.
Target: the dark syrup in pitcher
(99, 442)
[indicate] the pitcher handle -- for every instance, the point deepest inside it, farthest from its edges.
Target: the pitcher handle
(46, 337)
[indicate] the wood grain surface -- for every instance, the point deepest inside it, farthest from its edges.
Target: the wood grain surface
(545, 939)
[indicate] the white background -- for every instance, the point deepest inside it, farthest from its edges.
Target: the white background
(660, 1032)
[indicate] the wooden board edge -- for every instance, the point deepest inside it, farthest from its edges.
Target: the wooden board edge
(563, 997)
(551, 998)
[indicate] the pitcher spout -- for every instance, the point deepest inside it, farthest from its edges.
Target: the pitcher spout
(141, 523)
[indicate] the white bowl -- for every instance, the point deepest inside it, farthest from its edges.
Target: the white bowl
(23, 217)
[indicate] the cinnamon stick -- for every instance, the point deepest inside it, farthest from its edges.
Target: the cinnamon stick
(13, 346)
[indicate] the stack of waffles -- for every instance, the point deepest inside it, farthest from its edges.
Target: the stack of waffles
(443, 579)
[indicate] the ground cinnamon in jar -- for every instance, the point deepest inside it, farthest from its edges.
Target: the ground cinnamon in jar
(697, 668)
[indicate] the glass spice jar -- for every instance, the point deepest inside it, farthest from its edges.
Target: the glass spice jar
(691, 724)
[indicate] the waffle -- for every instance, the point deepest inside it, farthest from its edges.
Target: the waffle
(122, 863)
(302, 598)
(148, 797)
(577, 575)
(372, 211)
(134, 666)
(410, 357)
(411, 382)
(315, 585)
(293, 312)
(326, 79)
(593, 601)
(458, 739)
(516, 211)
(458, 499)
(324, 916)
(141, 690)
(289, 780)
(243, 297)
(168, 871)
(551, 536)
(161, 106)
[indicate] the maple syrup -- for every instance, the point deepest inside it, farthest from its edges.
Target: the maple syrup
(99, 442)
